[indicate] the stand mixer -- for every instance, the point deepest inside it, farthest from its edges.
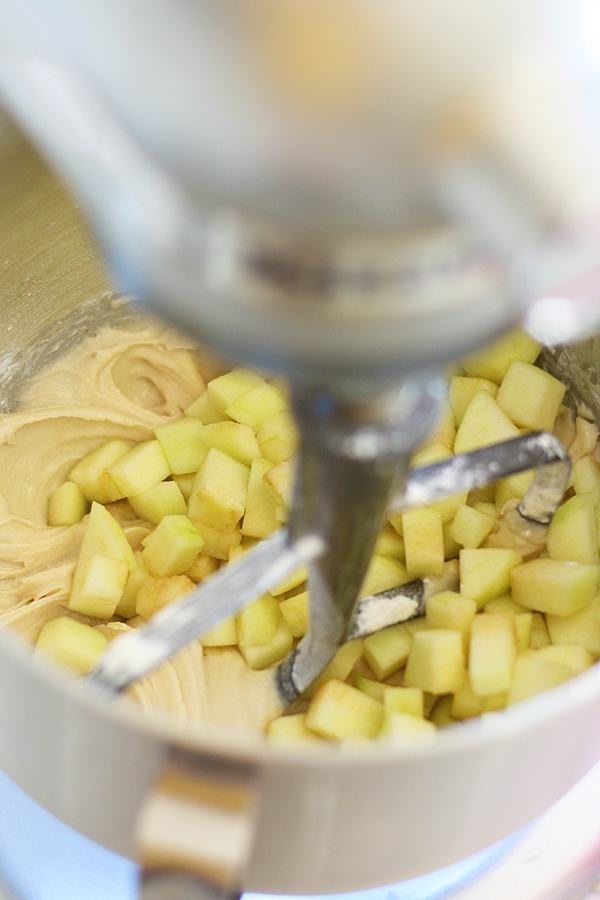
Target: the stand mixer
(345, 193)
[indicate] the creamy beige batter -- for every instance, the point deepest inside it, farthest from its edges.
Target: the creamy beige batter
(118, 384)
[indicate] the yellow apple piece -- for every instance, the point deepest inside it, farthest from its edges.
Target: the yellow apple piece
(127, 605)
(523, 628)
(164, 499)
(492, 653)
(575, 657)
(532, 674)
(67, 505)
(98, 585)
(290, 728)
(237, 441)
(222, 635)
(294, 580)
(572, 532)
(261, 656)
(582, 627)
(219, 491)
(203, 566)
(260, 516)
(185, 484)
(389, 543)
(435, 661)
(441, 714)
(374, 689)
(448, 609)
(484, 423)
(585, 476)
(465, 703)
(386, 651)
(540, 636)
(182, 443)
(277, 437)
(556, 586)
(530, 397)
(71, 643)
(226, 389)
(461, 391)
(203, 409)
(470, 527)
(383, 573)
(514, 487)
(493, 362)
(485, 573)
(403, 699)
(340, 666)
(444, 430)
(260, 403)
(258, 622)
(140, 469)
(154, 593)
(219, 544)
(423, 542)
(90, 472)
(403, 728)
(172, 547)
(295, 612)
(280, 479)
(338, 712)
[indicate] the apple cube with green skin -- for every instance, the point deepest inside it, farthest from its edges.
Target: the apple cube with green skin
(71, 643)
(386, 651)
(164, 499)
(219, 491)
(470, 526)
(183, 445)
(172, 547)
(484, 423)
(572, 532)
(485, 573)
(492, 653)
(238, 441)
(405, 728)
(338, 712)
(403, 699)
(532, 674)
(155, 593)
(277, 437)
(98, 585)
(530, 397)
(260, 403)
(436, 661)
(140, 469)
(226, 389)
(260, 516)
(67, 505)
(461, 391)
(90, 472)
(556, 586)
(494, 362)
(203, 409)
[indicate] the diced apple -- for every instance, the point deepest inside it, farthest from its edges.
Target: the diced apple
(105, 537)
(127, 605)
(451, 610)
(340, 666)
(575, 657)
(203, 410)
(556, 586)
(294, 580)
(483, 424)
(523, 628)
(98, 585)
(582, 627)
(219, 491)
(222, 635)
(154, 593)
(383, 573)
(430, 453)
(465, 702)
(140, 469)
(258, 622)
(67, 505)
(403, 699)
(494, 362)
(373, 688)
(386, 651)
(435, 661)
(532, 674)
(441, 714)
(260, 403)
(461, 391)
(403, 728)
(539, 630)
(217, 543)
(88, 472)
(164, 499)
(237, 441)
(390, 543)
(445, 427)
(185, 484)
(172, 547)
(572, 532)
(485, 573)
(338, 712)
(182, 443)
(586, 477)
(470, 527)
(423, 542)
(203, 566)
(280, 479)
(492, 652)
(262, 656)
(71, 643)
(260, 516)
(295, 613)
(277, 437)
(530, 397)
(290, 728)
(226, 389)
(514, 487)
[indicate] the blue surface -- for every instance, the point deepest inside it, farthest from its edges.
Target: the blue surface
(42, 859)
